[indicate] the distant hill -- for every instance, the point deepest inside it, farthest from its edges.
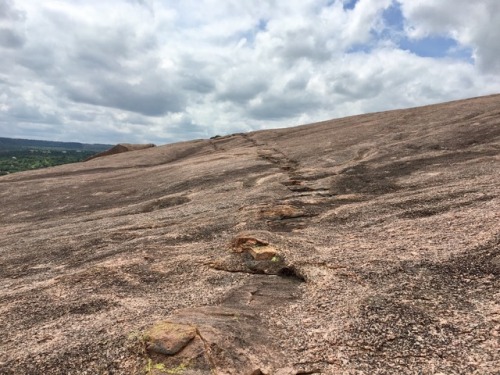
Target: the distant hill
(17, 155)
(13, 144)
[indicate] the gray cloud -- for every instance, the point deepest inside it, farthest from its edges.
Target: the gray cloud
(150, 98)
(11, 25)
(303, 43)
(298, 82)
(199, 84)
(8, 11)
(283, 105)
(242, 90)
(10, 38)
(41, 60)
(31, 114)
(352, 86)
(113, 67)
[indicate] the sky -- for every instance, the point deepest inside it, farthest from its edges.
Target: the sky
(162, 71)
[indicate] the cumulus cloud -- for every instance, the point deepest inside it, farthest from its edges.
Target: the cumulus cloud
(148, 97)
(11, 23)
(475, 24)
(162, 71)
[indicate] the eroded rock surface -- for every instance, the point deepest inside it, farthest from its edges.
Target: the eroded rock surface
(364, 245)
(121, 147)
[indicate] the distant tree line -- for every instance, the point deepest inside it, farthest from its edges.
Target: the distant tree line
(13, 144)
(18, 155)
(23, 160)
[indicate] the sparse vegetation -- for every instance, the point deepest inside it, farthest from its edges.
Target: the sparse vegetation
(17, 155)
(177, 370)
(162, 369)
(150, 367)
(18, 161)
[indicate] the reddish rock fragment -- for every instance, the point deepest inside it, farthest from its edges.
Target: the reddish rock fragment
(169, 338)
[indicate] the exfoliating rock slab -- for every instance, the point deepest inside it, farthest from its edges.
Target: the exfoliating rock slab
(169, 338)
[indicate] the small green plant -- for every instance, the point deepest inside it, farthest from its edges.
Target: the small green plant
(150, 367)
(159, 366)
(275, 259)
(177, 370)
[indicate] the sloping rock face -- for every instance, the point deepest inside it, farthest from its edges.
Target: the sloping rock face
(365, 245)
(121, 147)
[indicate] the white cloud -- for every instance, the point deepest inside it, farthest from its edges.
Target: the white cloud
(161, 71)
(475, 24)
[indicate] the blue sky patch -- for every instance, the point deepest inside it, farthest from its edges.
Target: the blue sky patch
(262, 26)
(350, 4)
(432, 46)
(436, 46)
(393, 17)
(361, 48)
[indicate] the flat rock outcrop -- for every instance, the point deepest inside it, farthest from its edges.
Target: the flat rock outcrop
(121, 147)
(363, 245)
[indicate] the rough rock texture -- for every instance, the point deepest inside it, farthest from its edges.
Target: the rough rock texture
(121, 147)
(364, 245)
